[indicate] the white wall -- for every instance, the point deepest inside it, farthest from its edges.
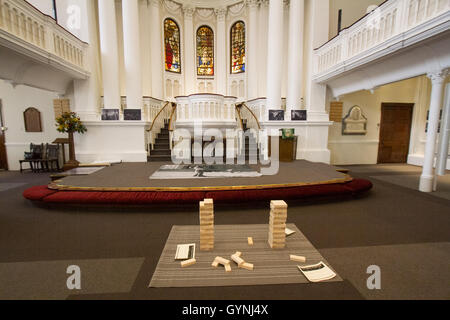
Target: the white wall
(352, 11)
(45, 6)
(347, 150)
(15, 101)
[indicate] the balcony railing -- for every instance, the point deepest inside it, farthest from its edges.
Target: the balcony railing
(392, 18)
(27, 26)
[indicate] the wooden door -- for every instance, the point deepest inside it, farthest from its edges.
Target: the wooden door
(395, 132)
(3, 159)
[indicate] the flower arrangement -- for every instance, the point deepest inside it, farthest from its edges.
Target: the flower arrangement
(69, 122)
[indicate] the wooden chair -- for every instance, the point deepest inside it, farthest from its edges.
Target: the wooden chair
(36, 157)
(52, 157)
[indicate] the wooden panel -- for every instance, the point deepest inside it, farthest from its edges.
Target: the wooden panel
(395, 132)
(336, 111)
(61, 106)
(32, 118)
(3, 157)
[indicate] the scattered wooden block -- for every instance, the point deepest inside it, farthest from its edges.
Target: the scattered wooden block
(227, 268)
(297, 258)
(215, 264)
(250, 241)
(239, 261)
(188, 263)
(247, 266)
(222, 261)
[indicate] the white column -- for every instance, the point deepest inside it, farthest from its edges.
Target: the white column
(189, 53)
(109, 53)
(437, 85)
(156, 52)
(274, 54)
(87, 92)
(221, 61)
(295, 56)
(318, 29)
(132, 53)
(445, 134)
(262, 47)
(252, 49)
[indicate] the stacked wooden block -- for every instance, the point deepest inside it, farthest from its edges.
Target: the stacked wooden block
(206, 225)
(277, 224)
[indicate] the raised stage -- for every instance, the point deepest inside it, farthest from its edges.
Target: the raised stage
(130, 184)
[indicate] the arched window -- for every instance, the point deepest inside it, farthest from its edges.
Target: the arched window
(205, 51)
(237, 47)
(172, 46)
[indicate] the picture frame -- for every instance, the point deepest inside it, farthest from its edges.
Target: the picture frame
(132, 114)
(276, 115)
(110, 114)
(299, 115)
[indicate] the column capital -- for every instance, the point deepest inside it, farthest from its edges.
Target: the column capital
(286, 3)
(264, 3)
(221, 12)
(438, 76)
(188, 11)
(252, 4)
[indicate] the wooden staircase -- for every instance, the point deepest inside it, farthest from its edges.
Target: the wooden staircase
(161, 149)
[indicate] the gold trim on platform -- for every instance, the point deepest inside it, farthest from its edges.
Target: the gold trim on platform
(56, 186)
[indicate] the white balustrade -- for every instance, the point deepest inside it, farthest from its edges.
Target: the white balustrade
(390, 19)
(206, 108)
(23, 21)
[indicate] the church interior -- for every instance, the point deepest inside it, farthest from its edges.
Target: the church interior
(224, 149)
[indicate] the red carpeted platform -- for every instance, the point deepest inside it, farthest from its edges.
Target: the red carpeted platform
(42, 194)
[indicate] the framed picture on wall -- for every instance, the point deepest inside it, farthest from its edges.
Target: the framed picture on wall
(298, 115)
(276, 115)
(110, 114)
(132, 115)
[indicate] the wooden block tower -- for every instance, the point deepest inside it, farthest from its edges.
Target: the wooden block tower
(277, 224)
(207, 225)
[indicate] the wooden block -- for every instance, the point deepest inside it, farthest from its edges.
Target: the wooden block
(227, 267)
(238, 254)
(250, 241)
(208, 202)
(297, 258)
(247, 266)
(278, 204)
(222, 261)
(237, 259)
(188, 263)
(215, 264)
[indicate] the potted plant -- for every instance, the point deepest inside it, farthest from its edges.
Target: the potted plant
(70, 123)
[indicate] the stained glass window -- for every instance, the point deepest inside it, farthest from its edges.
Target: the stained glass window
(205, 51)
(172, 46)
(238, 47)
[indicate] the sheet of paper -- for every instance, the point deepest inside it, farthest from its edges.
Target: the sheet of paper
(185, 251)
(317, 272)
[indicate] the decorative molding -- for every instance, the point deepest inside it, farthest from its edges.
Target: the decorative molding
(156, 3)
(172, 6)
(237, 8)
(205, 13)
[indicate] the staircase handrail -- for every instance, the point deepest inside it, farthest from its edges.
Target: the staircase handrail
(156, 117)
(243, 104)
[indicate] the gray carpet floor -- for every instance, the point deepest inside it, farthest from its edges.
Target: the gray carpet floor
(403, 231)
